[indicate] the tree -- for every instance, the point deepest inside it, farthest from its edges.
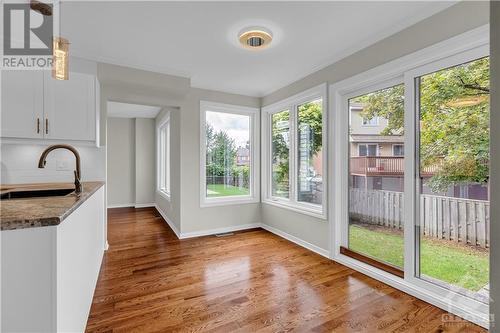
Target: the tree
(221, 153)
(310, 118)
(454, 121)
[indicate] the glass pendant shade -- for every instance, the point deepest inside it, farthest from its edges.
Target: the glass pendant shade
(60, 57)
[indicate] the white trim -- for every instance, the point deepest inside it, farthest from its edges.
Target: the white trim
(253, 114)
(298, 241)
(144, 205)
(210, 232)
(291, 103)
(128, 205)
(169, 222)
(164, 122)
(163, 194)
(302, 209)
(472, 44)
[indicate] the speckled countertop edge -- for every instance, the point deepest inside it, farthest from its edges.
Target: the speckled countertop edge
(51, 210)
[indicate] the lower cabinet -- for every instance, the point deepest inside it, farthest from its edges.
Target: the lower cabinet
(49, 274)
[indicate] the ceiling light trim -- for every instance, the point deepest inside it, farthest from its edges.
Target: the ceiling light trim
(255, 38)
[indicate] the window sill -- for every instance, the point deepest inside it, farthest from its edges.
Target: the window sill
(165, 195)
(302, 209)
(225, 201)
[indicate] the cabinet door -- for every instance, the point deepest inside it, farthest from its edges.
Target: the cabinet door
(70, 107)
(22, 104)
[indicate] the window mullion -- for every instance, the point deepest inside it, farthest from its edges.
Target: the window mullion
(293, 153)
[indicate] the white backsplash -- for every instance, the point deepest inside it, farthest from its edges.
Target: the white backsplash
(19, 164)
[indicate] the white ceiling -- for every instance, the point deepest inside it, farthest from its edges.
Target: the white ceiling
(199, 40)
(126, 110)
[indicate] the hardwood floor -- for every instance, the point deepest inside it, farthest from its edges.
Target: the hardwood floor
(252, 281)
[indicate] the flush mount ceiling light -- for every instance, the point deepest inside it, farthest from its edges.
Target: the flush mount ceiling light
(255, 38)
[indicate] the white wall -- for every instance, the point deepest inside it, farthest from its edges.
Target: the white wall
(450, 22)
(145, 157)
(121, 162)
(19, 164)
(193, 217)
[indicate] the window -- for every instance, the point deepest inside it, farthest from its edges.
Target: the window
(295, 167)
(280, 135)
(398, 150)
(163, 156)
(366, 149)
(229, 156)
(370, 121)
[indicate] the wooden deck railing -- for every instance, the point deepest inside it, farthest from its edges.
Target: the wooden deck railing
(460, 220)
(384, 166)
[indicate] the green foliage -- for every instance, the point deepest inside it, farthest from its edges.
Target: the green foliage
(221, 152)
(221, 156)
(454, 121)
(386, 103)
(310, 118)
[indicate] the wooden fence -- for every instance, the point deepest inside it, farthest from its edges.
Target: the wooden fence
(455, 219)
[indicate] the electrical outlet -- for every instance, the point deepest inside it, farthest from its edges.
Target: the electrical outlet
(62, 165)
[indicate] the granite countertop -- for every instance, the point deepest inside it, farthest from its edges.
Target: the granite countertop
(41, 211)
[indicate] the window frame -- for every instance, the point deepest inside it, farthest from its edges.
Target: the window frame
(377, 149)
(376, 118)
(459, 49)
(163, 163)
(394, 145)
(253, 114)
(291, 104)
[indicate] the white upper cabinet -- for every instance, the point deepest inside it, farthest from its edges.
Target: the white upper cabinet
(22, 104)
(36, 106)
(70, 107)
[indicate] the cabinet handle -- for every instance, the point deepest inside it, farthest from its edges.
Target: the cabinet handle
(46, 125)
(37, 125)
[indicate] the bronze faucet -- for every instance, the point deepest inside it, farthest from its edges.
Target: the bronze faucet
(42, 162)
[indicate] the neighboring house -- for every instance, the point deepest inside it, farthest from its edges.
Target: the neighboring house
(242, 156)
(366, 139)
(377, 161)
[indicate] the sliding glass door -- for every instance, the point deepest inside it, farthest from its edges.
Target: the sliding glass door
(415, 178)
(453, 177)
(376, 176)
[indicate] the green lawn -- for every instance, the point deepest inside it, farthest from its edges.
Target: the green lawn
(221, 190)
(455, 264)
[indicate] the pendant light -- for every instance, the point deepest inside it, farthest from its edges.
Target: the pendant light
(60, 53)
(60, 49)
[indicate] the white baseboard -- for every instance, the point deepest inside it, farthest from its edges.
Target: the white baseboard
(122, 205)
(209, 232)
(169, 222)
(144, 205)
(298, 241)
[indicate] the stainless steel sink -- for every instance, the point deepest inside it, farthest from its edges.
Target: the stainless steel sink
(60, 192)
